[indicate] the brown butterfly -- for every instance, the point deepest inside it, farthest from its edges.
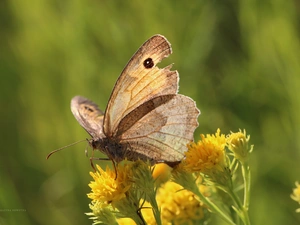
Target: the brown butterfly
(145, 117)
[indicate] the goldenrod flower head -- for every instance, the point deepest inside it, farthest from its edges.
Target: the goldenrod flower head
(296, 194)
(238, 144)
(161, 173)
(108, 189)
(208, 155)
(178, 205)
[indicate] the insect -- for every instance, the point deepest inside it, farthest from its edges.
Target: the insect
(145, 118)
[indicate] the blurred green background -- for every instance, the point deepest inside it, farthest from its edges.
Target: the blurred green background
(240, 60)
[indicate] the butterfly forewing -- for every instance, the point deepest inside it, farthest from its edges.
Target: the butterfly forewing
(138, 83)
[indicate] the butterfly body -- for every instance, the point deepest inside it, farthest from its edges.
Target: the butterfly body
(118, 151)
(112, 148)
(145, 117)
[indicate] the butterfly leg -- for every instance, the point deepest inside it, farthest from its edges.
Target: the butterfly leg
(115, 167)
(92, 158)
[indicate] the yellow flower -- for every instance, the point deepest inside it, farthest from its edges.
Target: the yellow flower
(296, 195)
(126, 221)
(161, 173)
(238, 144)
(106, 188)
(208, 155)
(178, 205)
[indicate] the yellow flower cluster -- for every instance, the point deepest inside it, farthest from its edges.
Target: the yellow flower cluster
(146, 195)
(178, 205)
(209, 155)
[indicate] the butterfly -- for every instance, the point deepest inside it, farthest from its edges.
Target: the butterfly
(145, 118)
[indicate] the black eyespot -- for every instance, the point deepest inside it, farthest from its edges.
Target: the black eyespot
(148, 63)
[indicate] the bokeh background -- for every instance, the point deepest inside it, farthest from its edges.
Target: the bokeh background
(240, 60)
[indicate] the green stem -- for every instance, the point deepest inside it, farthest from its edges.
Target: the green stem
(242, 211)
(214, 208)
(247, 182)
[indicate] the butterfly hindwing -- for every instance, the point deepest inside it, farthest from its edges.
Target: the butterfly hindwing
(89, 116)
(163, 133)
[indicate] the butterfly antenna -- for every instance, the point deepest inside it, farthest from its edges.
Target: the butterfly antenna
(57, 150)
